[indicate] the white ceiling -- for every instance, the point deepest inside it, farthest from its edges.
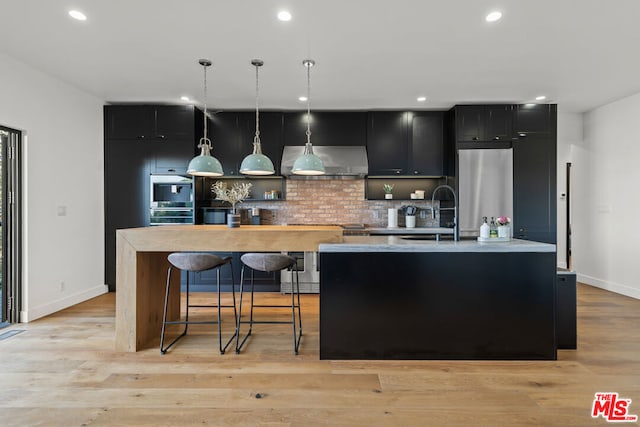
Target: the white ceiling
(370, 54)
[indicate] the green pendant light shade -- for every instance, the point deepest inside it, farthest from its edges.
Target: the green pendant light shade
(257, 163)
(205, 164)
(308, 163)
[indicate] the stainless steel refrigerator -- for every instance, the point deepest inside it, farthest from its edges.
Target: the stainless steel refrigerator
(485, 187)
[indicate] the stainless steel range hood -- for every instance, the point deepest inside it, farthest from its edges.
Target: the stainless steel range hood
(340, 162)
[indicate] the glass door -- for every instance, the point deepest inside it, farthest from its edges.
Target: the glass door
(10, 214)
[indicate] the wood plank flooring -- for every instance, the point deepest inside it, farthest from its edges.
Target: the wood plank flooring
(63, 371)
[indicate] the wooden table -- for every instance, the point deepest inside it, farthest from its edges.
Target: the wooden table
(141, 266)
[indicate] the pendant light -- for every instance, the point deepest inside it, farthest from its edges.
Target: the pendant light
(205, 164)
(308, 163)
(257, 163)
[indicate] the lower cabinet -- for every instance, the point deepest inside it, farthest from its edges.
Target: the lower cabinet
(566, 334)
(206, 281)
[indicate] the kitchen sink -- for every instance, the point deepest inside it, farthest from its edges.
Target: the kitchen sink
(420, 237)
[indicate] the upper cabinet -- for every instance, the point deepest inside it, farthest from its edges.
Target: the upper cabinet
(387, 143)
(482, 123)
(327, 128)
(150, 122)
(427, 144)
(401, 143)
(531, 119)
(232, 135)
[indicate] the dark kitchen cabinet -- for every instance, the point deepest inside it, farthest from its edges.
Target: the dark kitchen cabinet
(566, 310)
(126, 198)
(150, 122)
(406, 143)
(225, 138)
(427, 144)
(327, 128)
(534, 188)
(140, 140)
(481, 123)
(387, 148)
(534, 119)
(232, 134)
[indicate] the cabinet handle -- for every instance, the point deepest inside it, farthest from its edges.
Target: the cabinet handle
(475, 138)
(416, 172)
(398, 171)
(171, 170)
(140, 136)
(522, 134)
(496, 138)
(160, 136)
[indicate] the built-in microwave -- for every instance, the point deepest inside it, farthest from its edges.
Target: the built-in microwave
(171, 199)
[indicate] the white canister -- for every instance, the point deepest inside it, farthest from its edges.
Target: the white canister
(392, 216)
(410, 221)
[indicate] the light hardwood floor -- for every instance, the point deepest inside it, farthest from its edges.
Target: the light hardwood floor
(62, 371)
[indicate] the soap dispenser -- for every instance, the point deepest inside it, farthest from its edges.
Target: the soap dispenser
(493, 229)
(484, 228)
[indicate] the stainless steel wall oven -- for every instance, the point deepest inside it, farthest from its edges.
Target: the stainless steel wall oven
(171, 200)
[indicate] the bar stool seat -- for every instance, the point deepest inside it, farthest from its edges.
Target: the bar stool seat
(270, 262)
(197, 262)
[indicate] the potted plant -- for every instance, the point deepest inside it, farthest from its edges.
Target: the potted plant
(504, 229)
(388, 189)
(233, 195)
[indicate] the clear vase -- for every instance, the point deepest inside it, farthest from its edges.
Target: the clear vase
(504, 231)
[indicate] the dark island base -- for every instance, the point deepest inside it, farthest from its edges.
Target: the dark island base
(485, 306)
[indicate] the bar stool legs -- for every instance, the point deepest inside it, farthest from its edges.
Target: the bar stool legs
(296, 320)
(211, 262)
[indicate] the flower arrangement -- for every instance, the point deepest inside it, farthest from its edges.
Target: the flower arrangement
(503, 220)
(388, 188)
(233, 195)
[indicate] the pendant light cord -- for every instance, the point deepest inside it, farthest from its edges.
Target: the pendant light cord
(308, 65)
(256, 139)
(205, 141)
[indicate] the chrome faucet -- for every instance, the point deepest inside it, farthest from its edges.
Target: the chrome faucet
(456, 235)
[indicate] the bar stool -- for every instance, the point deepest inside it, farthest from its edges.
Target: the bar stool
(270, 262)
(197, 262)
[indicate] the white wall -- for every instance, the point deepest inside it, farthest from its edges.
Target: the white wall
(63, 166)
(606, 209)
(569, 136)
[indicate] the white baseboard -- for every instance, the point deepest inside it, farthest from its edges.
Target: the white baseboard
(609, 286)
(34, 313)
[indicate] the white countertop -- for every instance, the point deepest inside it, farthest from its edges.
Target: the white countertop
(405, 230)
(397, 244)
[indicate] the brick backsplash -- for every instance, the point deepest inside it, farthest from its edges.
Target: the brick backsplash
(334, 201)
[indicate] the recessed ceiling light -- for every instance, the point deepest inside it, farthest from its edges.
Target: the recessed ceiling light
(302, 98)
(284, 15)
(185, 98)
(421, 98)
(76, 14)
(540, 98)
(493, 16)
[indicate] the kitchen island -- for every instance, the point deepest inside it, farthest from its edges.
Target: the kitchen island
(141, 267)
(384, 297)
